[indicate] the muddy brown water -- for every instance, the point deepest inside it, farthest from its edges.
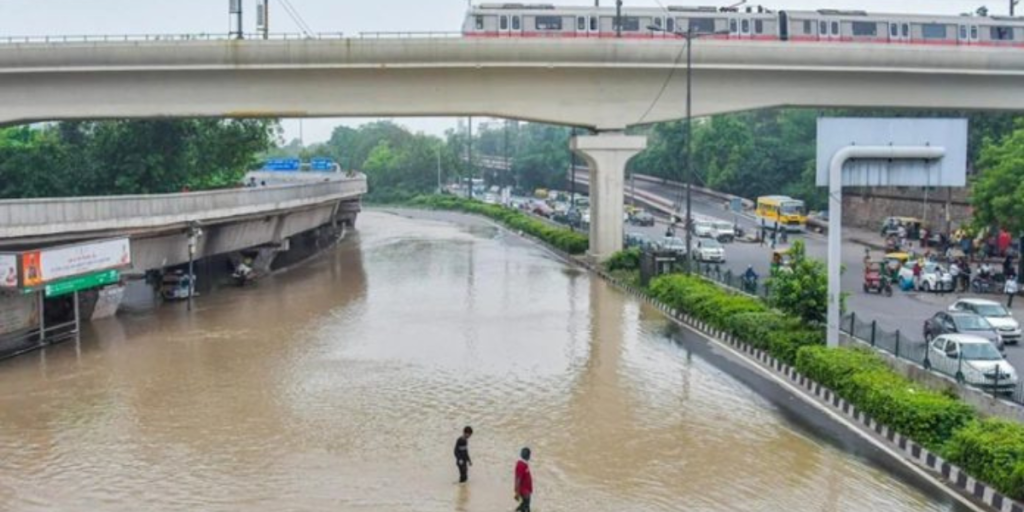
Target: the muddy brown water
(342, 386)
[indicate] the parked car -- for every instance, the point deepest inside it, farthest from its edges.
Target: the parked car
(709, 250)
(972, 360)
(642, 218)
(996, 314)
(961, 323)
(934, 277)
(541, 208)
(672, 244)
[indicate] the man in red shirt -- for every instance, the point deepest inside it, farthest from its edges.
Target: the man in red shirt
(524, 482)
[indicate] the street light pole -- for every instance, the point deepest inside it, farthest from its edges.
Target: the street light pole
(469, 190)
(689, 145)
(439, 188)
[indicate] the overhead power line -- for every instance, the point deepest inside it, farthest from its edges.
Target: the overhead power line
(293, 13)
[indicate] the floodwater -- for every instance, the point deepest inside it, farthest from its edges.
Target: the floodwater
(342, 386)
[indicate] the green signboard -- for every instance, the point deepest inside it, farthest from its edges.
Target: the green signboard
(82, 283)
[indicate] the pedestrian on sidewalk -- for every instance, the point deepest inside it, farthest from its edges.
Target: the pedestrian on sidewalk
(462, 459)
(524, 481)
(1011, 289)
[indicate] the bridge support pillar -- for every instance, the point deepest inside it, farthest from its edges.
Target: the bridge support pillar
(607, 154)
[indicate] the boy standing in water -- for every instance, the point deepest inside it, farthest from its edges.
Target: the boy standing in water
(524, 481)
(462, 459)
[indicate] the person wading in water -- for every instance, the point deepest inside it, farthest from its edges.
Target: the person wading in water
(462, 459)
(524, 481)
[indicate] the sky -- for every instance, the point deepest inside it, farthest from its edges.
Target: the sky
(114, 17)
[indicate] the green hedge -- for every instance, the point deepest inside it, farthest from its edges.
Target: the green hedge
(628, 259)
(564, 239)
(861, 377)
(992, 451)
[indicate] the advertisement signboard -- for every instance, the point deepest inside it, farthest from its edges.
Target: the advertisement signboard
(8, 270)
(39, 267)
(86, 282)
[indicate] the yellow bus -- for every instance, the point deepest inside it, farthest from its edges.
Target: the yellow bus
(790, 214)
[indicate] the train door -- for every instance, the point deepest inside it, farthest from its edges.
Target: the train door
(504, 26)
(783, 26)
(745, 28)
(967, 34)
(595, 27)
(515, 26)
(581, 26)
(829, 30)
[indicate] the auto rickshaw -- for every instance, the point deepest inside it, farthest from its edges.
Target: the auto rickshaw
(781, 259)
(893, 262)
(875, 280)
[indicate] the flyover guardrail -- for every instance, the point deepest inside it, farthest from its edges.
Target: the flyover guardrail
(122, 38)
(36, 217)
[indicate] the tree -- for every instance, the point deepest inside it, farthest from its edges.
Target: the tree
(998, 194)
(801, 289)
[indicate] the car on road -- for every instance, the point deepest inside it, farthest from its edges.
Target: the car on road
(724, 231)
(709, 250)
(703, 229)
(672, 244)
(996, 314)
(945, 322)
(972, 360)
(541, 208)
(641, 218)
(639, 240)
(934, 277)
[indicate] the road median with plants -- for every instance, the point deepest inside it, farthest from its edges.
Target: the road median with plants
(560, 238)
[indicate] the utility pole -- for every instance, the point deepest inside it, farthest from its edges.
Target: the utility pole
(1013, 7)
(618, 18)
(469, 179)
(263, 18)
(235, 11)
(689, 146)
(572, 178)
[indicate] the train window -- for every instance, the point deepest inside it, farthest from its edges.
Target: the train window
(733, 26)
(593, 23)
(548, 23)
(629, 23)
(746, 26)
(702, 25)
(865, 29)
(581, 24)
(835, 28)
(479, 22)
(934, 31)
(758, 26)
(808, 27)
(974, 32)
(657, 22)
(504, 22)
(670, 24)
(823, 28)
(894, 30)
(906, 30)
(515, 23)
(1002, 33)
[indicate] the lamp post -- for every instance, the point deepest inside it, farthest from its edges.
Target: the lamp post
(194, 232)
(689, 35)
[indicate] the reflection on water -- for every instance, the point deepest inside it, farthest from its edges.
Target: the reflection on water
(343, 385)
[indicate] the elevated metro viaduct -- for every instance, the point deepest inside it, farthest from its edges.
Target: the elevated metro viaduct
(604, 85)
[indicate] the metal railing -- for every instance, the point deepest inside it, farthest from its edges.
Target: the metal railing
(410, 35)
(916, 350)
(121, 38)
(28, 217)
(757, 287)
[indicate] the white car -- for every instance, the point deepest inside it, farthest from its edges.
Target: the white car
(709, 250)
(673, 244)
(724, 231)
(703, 229)
(934, 277)
(997, 315)
(972, 360)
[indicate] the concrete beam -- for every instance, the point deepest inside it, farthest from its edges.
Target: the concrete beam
(601, 84)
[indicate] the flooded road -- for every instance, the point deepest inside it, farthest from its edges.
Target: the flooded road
(342, 386)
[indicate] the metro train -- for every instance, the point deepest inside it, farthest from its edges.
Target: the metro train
(758, 24)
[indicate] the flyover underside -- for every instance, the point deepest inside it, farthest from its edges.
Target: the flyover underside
(162, 250)
(600, 98)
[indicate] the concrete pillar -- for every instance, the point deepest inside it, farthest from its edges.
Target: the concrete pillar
(607, 154)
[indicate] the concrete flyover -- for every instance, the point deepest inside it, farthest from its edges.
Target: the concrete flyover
(604, 85)
(232, 220)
